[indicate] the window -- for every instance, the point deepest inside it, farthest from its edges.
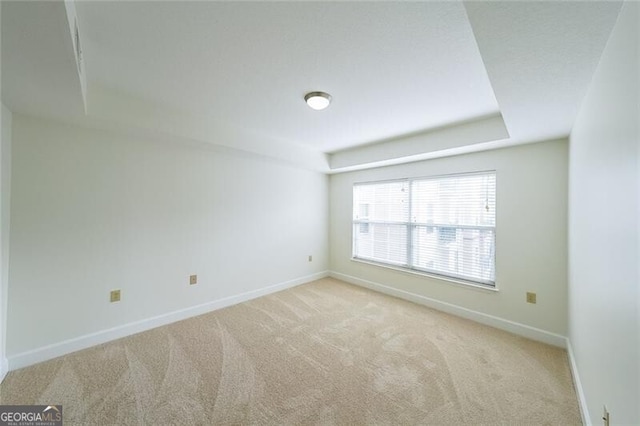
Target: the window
(442, 225)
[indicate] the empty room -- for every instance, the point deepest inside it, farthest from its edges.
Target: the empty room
(320, 213)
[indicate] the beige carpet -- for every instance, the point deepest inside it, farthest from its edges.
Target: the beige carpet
(322, 353)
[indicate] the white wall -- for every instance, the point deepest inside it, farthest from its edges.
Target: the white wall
(531, 242)
(94, 211)
(603, 228)
(5, 199)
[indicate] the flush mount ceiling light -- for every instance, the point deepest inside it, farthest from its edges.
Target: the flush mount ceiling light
(317, 100)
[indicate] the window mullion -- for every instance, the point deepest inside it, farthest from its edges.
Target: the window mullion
(410, 227)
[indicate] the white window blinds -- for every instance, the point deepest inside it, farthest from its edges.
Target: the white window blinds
(441, 225)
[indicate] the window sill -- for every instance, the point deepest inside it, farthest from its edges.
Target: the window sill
(466, 284)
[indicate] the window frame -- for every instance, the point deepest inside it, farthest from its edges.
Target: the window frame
(411, 227)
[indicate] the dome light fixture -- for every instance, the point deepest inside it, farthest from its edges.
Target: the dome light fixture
(317, 100)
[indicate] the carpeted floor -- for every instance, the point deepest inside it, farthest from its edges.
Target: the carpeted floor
(321, 353)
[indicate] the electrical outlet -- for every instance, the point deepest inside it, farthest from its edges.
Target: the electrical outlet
(115, 296)
(310, 258)
(531, 297)
(605, 416)
(193, 279)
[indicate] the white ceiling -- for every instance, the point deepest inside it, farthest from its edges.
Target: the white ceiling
(38, 66)
(410, 80)
(250, 64)
(541, 57)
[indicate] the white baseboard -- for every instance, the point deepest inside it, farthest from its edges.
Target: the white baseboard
(72, 345)
(501, 323)
(4, 368)
(582, 401)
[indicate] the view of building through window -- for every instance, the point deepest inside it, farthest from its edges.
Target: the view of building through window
(443, 225)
